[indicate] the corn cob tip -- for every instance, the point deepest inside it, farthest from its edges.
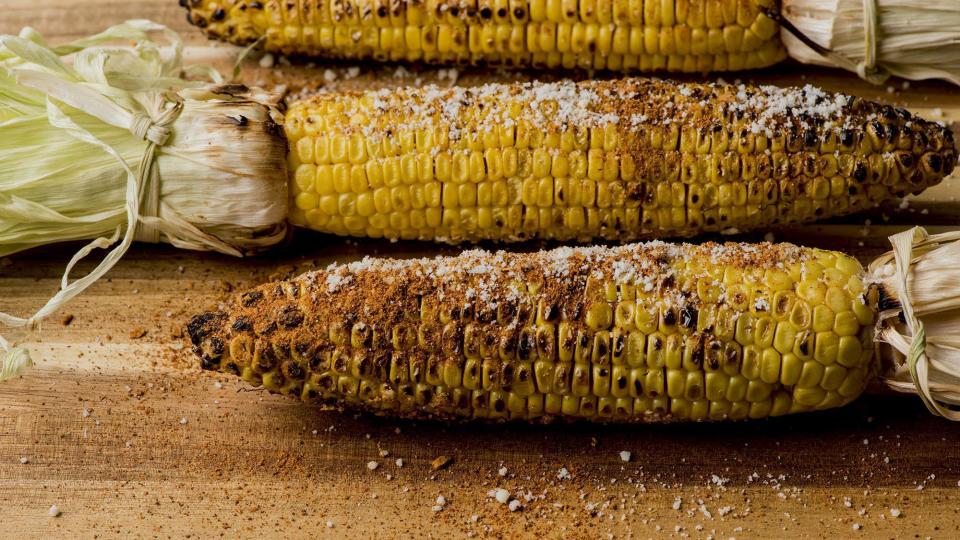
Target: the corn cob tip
(637, 333)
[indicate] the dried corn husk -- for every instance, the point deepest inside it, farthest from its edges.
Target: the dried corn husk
(114, 146)
(913, 39)
(922, 273)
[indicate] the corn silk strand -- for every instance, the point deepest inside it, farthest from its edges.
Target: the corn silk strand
(79, 143)
(924, 272)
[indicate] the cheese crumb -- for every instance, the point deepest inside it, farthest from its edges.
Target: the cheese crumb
(372, 465)
(501, 495)
(514, 505)
(503, 471)
(895, 512)
(54, 511)
(624, 456)
(24, 460)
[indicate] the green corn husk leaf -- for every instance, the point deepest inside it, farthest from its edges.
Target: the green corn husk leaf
(55, 187)
(112, 144)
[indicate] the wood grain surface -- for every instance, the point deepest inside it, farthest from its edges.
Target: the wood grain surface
(118, 429)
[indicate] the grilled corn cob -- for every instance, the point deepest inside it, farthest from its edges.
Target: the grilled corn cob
(637, 333)
(622, 35)
(623, 160)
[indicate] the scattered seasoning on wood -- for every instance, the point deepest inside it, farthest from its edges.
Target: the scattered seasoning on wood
(137, 333)
(441, 462)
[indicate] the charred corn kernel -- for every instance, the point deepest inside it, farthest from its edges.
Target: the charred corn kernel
(548, 334)
(610, 159)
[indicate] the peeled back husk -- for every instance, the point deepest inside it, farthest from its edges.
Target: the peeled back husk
(221, 173)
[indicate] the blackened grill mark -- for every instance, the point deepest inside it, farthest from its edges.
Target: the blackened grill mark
(209, 363)
(523, 374)
(859, 172)
(249, 299)
(290, 317)
(847, 137)
(507, 374)
(294, 371)
(886, 301)
(242, 324)
(203, 325)
(618, 345)
(878, 129)
(688, 316)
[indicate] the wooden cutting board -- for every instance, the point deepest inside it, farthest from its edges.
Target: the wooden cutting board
(118, 429)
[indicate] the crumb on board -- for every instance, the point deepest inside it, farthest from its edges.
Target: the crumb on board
(66, 319)
(138, 332)
(441, 462)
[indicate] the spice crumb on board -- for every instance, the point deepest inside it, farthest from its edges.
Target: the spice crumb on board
(138, 333)
(441, 462)
(66, 319)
